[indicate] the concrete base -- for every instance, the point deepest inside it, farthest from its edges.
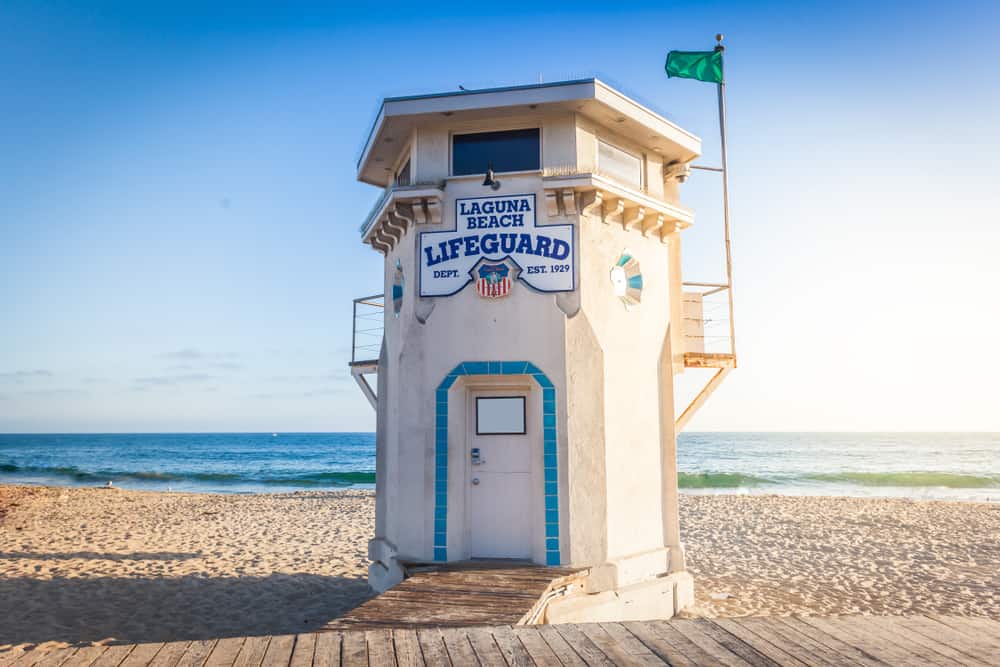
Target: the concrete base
(385, 570)
(658, 598)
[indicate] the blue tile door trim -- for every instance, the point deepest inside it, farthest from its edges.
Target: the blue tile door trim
(549, 451)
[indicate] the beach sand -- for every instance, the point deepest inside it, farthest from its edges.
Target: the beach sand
(101, 565)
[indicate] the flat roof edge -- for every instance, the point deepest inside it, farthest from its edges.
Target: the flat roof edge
(693, 141)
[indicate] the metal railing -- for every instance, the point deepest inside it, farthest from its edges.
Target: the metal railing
(368, 328)
(707, 318)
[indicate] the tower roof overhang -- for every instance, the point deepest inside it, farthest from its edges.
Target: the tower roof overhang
(398, 116)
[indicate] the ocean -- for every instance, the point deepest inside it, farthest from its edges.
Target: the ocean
(952, 466)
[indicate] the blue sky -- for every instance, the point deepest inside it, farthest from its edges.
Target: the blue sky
(178, 205)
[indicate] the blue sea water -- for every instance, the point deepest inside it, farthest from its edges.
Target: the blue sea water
(959, 466)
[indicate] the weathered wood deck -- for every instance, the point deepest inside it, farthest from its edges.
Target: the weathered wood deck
(460, 595)
(798, 642)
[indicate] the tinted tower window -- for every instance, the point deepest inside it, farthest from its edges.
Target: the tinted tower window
(514, 150)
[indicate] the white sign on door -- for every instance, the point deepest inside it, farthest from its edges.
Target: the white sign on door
(497, 229)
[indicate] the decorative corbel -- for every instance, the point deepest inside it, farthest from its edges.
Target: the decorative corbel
(384, 238)
(568, 201)
(379, 246)
(668, 230)
(395, 226)
(591, 203)
(652, 223)
(404, 211)
(419, 213)
(433, 211)
(552, 203)
(613, 210)
(633, 216)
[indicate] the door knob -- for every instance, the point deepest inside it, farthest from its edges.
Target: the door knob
(475, 481)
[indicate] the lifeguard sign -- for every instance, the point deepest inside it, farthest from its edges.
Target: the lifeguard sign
(530, 416)
(498, 229)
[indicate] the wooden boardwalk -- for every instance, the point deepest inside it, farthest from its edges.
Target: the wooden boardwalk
(735, 642)
(460, 595)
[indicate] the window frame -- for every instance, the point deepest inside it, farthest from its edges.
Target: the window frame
(451, 148)
(641, 157)
(524, 415)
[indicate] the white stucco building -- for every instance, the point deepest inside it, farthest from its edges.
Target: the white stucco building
(533, 327)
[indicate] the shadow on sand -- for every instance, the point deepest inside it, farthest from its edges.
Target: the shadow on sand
(135, 610)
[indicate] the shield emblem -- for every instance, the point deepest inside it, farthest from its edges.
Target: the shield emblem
(493, 281)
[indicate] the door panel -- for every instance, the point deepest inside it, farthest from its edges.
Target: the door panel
(499, 493)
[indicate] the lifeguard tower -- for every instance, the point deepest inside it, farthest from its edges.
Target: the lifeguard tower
(533, 323)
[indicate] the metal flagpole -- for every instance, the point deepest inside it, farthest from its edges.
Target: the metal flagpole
(725, 201)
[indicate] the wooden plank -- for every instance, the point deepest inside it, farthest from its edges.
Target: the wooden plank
(354, 649)
(611, 648)
(252, 652)
(792, 642)
(279, 651)
(560, 647)
(659, 647)
(327, 652)
(773, 652)
(142, 654)
(302, 652)
(458, 646)
(539, 651)
(169, 654)
(85, 656)
(52, 658)
(733, 643)
(432, 647)
(720, 654)
(9, 655)
(844, 651)
(196, 653)
(380, 649)
(950, 638)
(629, 642)
(513, 651)
(114, 656)
(914, 638)
(873, 645)
(896, 648)
(582, 645)
(407, 647)
(678, 640)
(225, 652)
(485, 647)
(968, 627)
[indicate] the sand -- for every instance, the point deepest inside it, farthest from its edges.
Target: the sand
(782, 555)
(98, 566)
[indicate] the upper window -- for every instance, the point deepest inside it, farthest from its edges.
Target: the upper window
(512, 150)
(619, 165)
(403, 175)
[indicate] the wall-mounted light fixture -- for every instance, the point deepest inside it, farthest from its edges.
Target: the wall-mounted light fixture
(490, 181)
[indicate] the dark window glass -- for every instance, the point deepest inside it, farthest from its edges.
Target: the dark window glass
(403, 175)
(514, 150)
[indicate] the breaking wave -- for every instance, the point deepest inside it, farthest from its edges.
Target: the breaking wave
(343, 478)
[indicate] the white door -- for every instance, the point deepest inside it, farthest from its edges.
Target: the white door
(498, 458)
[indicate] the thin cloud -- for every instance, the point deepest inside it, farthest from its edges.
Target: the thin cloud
(172, 380)
(307, 379)
(194, 354)
(300, 394)
(55, 393)
(20, 376)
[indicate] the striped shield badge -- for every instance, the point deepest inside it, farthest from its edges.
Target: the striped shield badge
(493, 281)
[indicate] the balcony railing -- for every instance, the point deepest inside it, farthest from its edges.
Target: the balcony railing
(707, 325)
(368, 328)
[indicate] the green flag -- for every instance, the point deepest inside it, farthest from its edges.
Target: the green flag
(701, 65)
